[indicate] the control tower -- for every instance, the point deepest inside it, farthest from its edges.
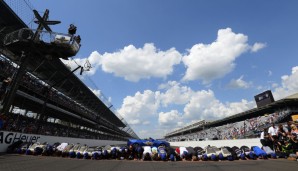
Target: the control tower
(30, 44)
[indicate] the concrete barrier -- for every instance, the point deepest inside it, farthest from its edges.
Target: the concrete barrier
(7, 138)
(219, 143)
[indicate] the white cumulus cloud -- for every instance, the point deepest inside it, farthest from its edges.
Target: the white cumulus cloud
(136, 109)
(204, 105)
(174, 93)
(212, 61)
(133, 63)
(257, 46)
(169, 118)
(239, 83)
(150, 108)
(289, 85)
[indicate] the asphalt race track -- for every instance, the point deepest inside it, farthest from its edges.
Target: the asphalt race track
(12, 162)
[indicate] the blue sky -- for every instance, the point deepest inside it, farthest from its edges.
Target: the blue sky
(167, 63)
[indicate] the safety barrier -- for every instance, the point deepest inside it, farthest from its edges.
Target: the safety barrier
(7, 138)
(219, 143)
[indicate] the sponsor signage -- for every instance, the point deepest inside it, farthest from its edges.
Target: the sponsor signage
(11, 137)
(149, 143)
(7, 138)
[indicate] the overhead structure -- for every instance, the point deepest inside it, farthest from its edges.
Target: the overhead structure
(50, 44)
(28, 45)
(46, 65)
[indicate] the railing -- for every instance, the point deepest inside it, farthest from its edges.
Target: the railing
(189, 127)
(27, 34)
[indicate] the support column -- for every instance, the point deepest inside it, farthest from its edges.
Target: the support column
(16, 80)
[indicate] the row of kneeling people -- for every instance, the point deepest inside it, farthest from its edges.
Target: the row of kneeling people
(146, 153)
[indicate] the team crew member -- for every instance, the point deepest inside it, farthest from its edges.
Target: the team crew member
(131, 152)
(171, 153)
(272, 131)
(162, 154)
(199, 152)
(115, 152)
(183, 152)
(147, 154)
(191, 154)
(177, 151)
(154, 153)
(139, 152)
(154, 150)
(123, 153)
(264, 139)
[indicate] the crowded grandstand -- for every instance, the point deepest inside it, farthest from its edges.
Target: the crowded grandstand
(248, 124)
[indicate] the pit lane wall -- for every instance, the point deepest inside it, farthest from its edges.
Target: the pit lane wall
(219, 143)
(7, 138)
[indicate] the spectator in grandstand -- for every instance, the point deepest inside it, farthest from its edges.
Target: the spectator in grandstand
(2, 121)
(294, 130)
(288, 126)
(4, 88)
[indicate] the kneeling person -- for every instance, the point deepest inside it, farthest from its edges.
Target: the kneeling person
(147, 154)
(162, 154)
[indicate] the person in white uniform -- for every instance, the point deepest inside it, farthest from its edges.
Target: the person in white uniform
(183, 152)
(147, 154)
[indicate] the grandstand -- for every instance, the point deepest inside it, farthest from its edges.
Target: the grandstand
(247, 124)
(61, 103)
